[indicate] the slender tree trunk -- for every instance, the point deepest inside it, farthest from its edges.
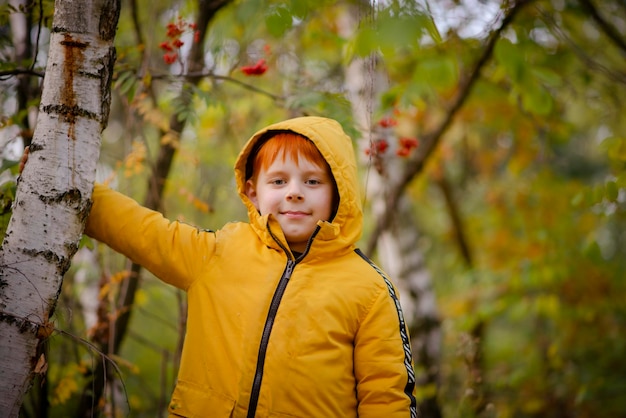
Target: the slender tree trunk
(400, 255)
(397, 245)
(399, 251)
(53, 195)
(94, 388)
(21, 26)
(476, 393)
(394, 195)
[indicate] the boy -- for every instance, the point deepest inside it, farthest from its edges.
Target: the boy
(286, 317)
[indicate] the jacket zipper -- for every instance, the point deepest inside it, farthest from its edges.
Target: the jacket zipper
(269, 322)
(267, 329)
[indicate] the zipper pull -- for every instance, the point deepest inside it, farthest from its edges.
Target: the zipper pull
(291, 264)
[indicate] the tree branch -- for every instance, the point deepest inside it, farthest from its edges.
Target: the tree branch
(21, 71)
(431, 140)
(586, 59)
(604, 25)
(456, 219)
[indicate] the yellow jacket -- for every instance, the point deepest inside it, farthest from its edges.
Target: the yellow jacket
(269, 335)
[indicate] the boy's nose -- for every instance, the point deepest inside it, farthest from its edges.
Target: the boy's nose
(294, 193)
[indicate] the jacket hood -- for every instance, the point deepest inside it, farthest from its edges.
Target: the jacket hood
(336, 147)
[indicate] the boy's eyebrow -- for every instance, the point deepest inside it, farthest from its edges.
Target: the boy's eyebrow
(317, 170)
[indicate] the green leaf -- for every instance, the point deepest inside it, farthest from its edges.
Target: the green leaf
(395, 32)
(365, 42)
(6, 164)
(299, 8)
(594, 253)
(7, 196)
(388, 34)
(596, 195)
(86, 242)
(536, 99)
(508, 55)
(578, 199)
(437, 71)
(278, 20)
(429, 24)
(389, 98)
(126, 84)
(249, 11)
(547, 76)
(612, 191)
(615, 147)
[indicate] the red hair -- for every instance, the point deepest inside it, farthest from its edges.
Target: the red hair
(287, 145)
(295, 146)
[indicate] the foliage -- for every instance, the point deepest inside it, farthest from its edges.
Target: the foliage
(536, 157)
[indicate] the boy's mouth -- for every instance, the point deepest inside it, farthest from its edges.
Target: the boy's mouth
(294, 214)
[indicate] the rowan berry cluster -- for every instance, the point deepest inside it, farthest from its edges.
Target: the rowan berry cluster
(175, 31)
(379, 146)
(260, 67)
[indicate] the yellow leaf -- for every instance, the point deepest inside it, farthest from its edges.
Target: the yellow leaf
(170, 138)
(140, 297)
(427, 391)
(457, 307)
(134, 161)
(532, 405)
(548, 305)
(119, 276)
(64, 390)
(42, 365)
(104, 291)
(554, 357)
(153, 116)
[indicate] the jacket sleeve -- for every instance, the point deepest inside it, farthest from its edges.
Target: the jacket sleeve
(383, 361)
(172, 251)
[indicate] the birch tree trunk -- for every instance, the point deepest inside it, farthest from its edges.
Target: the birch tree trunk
(53, 195)
(397, 245)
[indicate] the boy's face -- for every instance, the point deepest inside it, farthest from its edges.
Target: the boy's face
(297, 195)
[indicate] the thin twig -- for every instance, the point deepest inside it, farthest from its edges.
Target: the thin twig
(86, 343)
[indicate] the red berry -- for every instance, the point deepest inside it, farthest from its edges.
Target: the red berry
(387, 122)
(257, 69)
(170, 58)
(381, 146)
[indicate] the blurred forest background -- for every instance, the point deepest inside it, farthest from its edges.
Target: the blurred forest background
(491, 137)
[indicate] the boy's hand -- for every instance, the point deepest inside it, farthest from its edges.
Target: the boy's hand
(24, 159)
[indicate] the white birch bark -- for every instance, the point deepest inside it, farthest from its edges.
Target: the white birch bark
(397, 247)
(53, 196)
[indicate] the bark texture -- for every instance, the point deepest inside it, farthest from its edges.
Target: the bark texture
(53, 195)
(397, 244)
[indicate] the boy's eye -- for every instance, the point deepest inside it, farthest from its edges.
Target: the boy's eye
(313, 181)
(278, 181)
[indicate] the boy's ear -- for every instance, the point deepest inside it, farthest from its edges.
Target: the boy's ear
(251, 193)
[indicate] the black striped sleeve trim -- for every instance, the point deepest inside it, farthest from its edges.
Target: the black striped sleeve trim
(404, 335)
